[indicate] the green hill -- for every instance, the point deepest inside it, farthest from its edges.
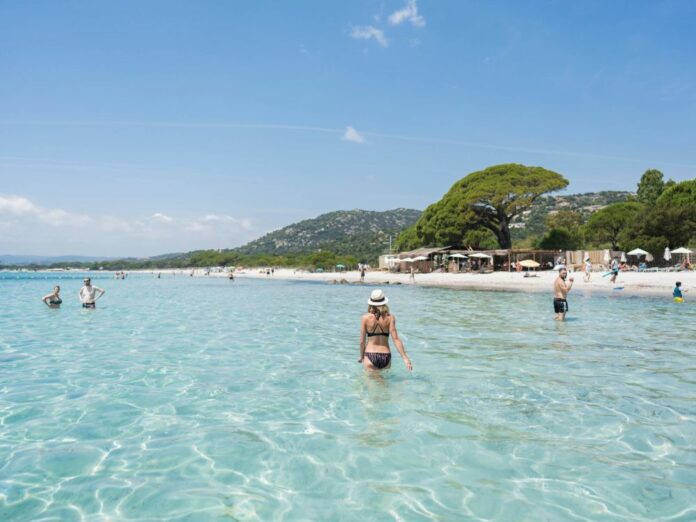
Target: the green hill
(532, 222)
(360, 233)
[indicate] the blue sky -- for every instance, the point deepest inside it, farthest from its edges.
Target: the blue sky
(143, 127)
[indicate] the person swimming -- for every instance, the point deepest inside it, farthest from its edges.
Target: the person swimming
(53, 299)
(375, 328)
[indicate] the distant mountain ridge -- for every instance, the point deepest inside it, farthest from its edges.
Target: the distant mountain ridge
(18, 260)
(361, 233)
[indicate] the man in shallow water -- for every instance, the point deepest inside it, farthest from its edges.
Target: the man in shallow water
(560, 293)
(88, 294)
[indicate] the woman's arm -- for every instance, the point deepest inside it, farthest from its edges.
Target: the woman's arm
(399, 345)
(46, 298)
(363, 332)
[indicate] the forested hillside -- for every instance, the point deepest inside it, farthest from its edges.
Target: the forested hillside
(533, 221)
(360, 233)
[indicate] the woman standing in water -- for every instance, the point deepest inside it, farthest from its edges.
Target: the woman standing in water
(375, 328)
(53, 299)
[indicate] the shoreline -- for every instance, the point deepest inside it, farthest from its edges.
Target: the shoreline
(629, 284)
(652, 284)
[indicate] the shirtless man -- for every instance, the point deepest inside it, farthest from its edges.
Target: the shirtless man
(560, 292)
(88, 294)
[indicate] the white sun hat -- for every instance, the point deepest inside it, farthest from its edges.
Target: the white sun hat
(377, 298)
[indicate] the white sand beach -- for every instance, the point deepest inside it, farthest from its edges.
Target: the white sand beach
(628, 283)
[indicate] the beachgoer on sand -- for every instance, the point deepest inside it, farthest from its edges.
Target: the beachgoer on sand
(614, 270)
(375, 328)
(53, 299)
(588, 270)
(88, 294)
(412, 276)
(560, 293)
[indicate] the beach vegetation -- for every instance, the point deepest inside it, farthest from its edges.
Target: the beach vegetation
(656, 218)
(559, 238)
(650, 187)
(488, 199)
(607, 224)
(679, 194)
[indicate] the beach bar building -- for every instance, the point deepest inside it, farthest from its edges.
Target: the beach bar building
(422, 259)
(452, 259)
(498, 259)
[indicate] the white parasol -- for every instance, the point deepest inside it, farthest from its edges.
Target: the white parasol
(607, 256)
(623, 257)
(667, 255)
(638, 252)
(480, 255)
(421, 258)
(459, 256)
(683, 251)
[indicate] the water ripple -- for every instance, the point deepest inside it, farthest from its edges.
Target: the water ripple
(244, 401)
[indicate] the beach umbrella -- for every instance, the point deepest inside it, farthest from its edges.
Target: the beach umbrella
(421, 258)
(623, 257)
(587, 256)
(667, 255)
(607, 256)
(458, 256)
(684, 251)
(340, 266)
(649, 258)
(529, 263)
(480, 255)
(638, 252)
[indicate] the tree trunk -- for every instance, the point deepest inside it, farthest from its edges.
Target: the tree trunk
(504, 232)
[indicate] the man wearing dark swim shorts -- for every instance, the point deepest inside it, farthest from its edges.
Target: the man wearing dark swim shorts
(560, 292)
(88, 294)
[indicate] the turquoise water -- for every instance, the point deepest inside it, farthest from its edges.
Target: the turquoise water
(201, 399)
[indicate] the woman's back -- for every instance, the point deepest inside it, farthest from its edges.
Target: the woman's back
(377, 329)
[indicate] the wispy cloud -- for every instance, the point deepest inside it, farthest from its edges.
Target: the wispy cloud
(15, 162)
(409, 13)
(352, 135)
(369, 32)
(246, 224)
(20, 207)
(27, 226)
(157, 216)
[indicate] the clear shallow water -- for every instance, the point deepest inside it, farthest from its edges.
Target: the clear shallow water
(201, 399)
